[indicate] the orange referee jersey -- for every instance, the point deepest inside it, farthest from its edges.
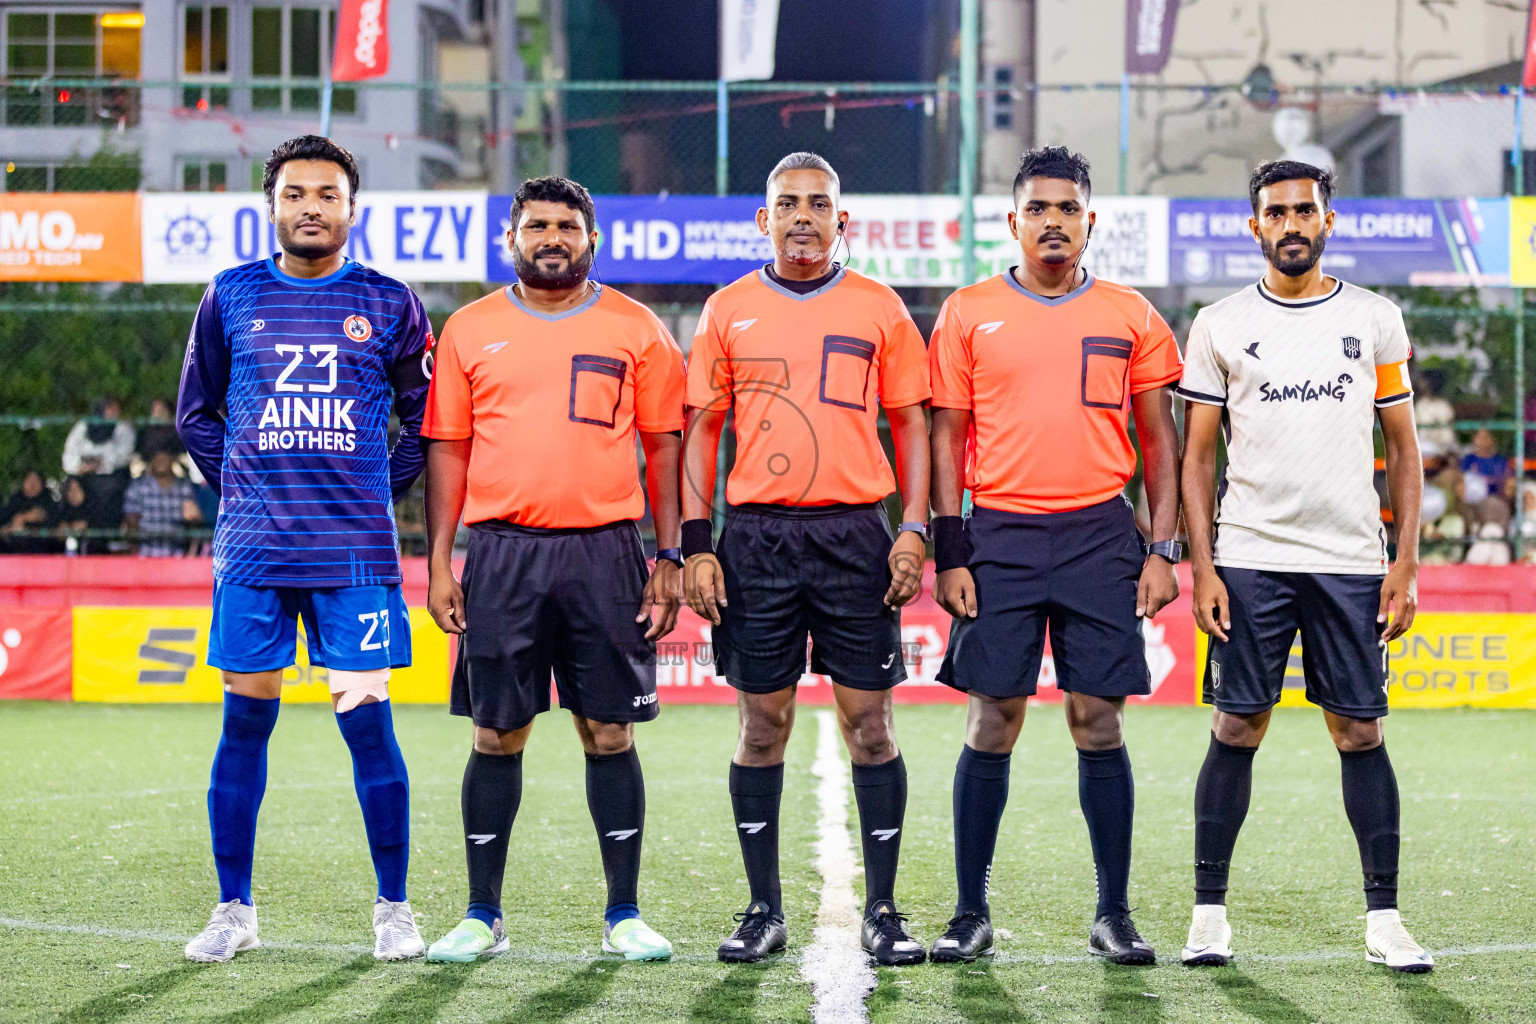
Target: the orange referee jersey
(552, 403)
(1048, 382)
(806, 375)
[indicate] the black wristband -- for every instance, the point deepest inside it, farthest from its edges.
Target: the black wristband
(951, 543)
(698, 538)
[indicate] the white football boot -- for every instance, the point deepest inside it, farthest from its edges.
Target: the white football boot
(1210, 938)
(394, 932)
(1388, 942)
(231, 930)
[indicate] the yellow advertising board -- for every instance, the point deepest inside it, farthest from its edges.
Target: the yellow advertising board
(1522, 241)
(1447, 660)
(157, 655)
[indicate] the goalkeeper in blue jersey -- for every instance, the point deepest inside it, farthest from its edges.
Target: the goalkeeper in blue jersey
(291, 371)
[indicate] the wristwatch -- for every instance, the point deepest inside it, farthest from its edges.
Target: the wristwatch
(1170, 550)
(673, 555)
(921, 529)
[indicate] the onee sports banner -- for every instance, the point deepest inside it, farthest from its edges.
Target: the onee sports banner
(1447, 660)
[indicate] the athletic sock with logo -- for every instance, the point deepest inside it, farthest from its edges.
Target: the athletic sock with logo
(1107, 792)
(755, 796)
(383, 791)
(881, 793)
(492, 791)
(1221, 803)
(616, 798)
(237, 783)
(981, 793)
(1371, 803)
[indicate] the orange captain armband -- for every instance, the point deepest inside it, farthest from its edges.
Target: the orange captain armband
(1393, 385)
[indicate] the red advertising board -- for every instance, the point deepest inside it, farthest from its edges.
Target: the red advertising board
(36, 657)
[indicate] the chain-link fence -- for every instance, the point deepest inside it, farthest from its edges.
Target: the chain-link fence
(649, 137)
(69, 345)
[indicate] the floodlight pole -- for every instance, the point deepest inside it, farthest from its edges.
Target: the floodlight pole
(969, 31)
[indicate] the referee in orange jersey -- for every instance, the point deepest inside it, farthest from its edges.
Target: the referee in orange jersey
(806, 353)
(539, 394)
(1035, 373)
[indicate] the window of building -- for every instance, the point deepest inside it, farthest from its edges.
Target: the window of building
(290, 55)
(1000, 99)
(204, 174)
(103, 172)
(54, 44)
(205, 56)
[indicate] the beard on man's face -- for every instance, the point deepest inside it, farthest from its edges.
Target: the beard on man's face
(311, 247)
(530, 273)
(1294, 266)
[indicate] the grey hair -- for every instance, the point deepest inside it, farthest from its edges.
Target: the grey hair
(805, 161)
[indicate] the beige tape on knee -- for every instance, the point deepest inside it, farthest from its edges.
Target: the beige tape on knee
(356, 687)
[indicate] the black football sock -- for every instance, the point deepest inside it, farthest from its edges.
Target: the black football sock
(493, 788)
(981, 793)
(616, 798)
(881, 792)
(1370, 801)
(1221, 804)
(755, 795)
(1107, 793)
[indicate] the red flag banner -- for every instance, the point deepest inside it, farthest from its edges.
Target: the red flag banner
(362, 41)
(1149, 35)
(1528, 78)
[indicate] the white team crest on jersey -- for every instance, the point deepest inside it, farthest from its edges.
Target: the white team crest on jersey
(257, 325)
(357, 327)
(1351, 347)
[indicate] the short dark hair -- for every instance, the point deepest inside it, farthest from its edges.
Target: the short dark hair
(1272, 171)
(1052, 162)
(552, 189)
(309, 147)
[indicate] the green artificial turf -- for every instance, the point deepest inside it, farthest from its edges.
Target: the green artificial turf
(105, 872)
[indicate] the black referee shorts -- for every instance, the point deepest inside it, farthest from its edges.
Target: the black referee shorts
(793, 572)
(538, 601)
(1075, 573)
(1343, 659)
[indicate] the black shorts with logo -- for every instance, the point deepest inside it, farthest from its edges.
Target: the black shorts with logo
(793, 572)
(538, 601)
(1075, 573)
(1343, 659)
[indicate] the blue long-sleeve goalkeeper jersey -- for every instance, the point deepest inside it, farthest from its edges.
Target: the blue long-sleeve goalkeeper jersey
(284, 405)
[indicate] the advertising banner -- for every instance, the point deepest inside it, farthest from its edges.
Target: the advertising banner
(34, 653)
(901, 240)
(158, 655)
(1447, 660)
(749, 31)
(362, 41)
(79, 236)
(686, 671)
(655, 239)
(1439, 242)
(413, 236)
(1149, 35)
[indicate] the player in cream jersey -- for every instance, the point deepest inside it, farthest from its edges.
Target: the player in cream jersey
(1299, 380)
(1296, 371)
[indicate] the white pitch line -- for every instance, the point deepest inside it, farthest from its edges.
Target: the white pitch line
(835, 965)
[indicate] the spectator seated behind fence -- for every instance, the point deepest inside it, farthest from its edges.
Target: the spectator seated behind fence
(31, 507)
(98, 450)
(160, 503)
(80, 511)
(159, 434)
(1487, 485)
(1435, 418)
